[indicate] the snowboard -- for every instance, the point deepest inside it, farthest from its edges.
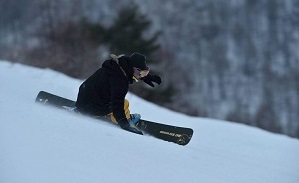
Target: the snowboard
(178, 135)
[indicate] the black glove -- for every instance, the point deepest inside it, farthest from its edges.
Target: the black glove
(124, 124)
(149, 79)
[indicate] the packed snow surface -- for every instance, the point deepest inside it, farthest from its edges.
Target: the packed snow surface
(45, 145)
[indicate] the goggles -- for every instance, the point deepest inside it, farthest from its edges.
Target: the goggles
(141, 73)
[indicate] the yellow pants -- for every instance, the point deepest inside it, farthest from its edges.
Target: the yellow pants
(127, 112)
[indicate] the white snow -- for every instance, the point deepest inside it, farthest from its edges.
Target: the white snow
(43, 144)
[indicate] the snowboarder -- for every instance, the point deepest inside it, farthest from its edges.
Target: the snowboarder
(103, 93)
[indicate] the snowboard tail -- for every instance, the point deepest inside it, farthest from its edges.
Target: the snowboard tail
(178, 135)
(54, 100)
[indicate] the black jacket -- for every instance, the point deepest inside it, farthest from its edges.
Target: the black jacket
(104, 91)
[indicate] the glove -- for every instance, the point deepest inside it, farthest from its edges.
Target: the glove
(134, 119)
(149, 79)
(124, 124)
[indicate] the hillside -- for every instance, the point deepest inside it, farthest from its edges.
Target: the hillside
(43, 144)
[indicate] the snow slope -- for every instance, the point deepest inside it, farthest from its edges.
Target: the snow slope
(44, 144)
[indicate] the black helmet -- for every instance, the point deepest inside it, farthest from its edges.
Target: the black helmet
(139, 61)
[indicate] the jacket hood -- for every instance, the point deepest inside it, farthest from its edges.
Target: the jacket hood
(112, 67)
